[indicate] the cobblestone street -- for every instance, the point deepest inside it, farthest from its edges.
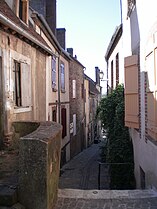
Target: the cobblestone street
(82, 171)
(79, 187)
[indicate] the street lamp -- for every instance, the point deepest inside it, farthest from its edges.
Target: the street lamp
(101, 75)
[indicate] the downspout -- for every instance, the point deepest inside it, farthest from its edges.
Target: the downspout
(59, 102)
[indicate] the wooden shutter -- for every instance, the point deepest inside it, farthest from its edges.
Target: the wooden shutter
(26, 90)
(131, 92)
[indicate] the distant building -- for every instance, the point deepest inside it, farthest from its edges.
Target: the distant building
(93, 95)
(77, 108)
(114, 59)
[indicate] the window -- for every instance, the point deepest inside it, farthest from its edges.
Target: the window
(117, 69)
(23, 10)
(74, 89)
(131, 5)
(63, 122)
(54, 114)
(53, 73)
(17, 80)
(82, 90)
(74, 124)
(62, 70)
(22, 84)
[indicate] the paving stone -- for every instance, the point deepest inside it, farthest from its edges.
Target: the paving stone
(78, 187)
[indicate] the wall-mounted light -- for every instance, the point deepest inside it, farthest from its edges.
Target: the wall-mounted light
(101, 75)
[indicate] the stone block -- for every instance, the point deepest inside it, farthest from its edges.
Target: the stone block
(39, 167)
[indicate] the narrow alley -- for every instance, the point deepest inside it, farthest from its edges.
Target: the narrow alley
(78, 187)
(82, 171)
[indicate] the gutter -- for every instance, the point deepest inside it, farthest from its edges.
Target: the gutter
(13, 26)
(48, 28)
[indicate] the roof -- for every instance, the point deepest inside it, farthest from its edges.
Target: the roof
(114, 40)
(8, 18)
(92, 85)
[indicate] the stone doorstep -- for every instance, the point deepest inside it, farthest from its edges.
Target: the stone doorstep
(8, 195)
(107, 194)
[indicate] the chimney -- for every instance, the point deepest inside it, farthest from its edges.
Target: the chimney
(70, 51)
(97, 75)
(48, 9)
(61, 36)
(51, 14)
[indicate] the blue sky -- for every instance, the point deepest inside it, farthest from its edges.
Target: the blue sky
(89, 26)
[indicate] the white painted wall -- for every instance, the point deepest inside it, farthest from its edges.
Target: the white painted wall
(139, 26)
(118, 49)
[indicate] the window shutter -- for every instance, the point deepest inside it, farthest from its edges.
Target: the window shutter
(53, 72)
(26, 85)
(62, 77)
(74, 124)
(131, 92)
(74, 88)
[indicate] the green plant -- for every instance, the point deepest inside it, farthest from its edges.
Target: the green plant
(119, 148)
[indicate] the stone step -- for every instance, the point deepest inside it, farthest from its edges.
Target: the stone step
(107, 194)
(16, 206)
(8, 195)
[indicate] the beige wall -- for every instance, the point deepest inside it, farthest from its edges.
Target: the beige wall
(86, 86)
(12, 49)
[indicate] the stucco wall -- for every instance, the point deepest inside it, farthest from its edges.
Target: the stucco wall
(145, 153)
(14, 48)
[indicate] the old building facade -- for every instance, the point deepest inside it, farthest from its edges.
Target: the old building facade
(139, 57)
(23, 55)
(77, 108)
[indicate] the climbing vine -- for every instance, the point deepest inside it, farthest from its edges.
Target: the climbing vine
(118, 150)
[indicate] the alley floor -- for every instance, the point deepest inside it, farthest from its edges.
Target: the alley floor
(82, 171)
(78, 187)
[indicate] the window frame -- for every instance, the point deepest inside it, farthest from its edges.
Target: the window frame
(62, 77)
(23, 102)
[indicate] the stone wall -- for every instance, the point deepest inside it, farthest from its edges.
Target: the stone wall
(77, 106)
(39, 164)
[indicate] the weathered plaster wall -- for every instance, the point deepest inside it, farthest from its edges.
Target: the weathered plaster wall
(15, 48)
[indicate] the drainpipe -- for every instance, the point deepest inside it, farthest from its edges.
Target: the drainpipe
(59, 102)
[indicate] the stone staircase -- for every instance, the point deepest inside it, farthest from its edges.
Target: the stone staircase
(106, 199)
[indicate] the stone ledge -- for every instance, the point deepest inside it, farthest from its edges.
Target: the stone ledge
(106, 194)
